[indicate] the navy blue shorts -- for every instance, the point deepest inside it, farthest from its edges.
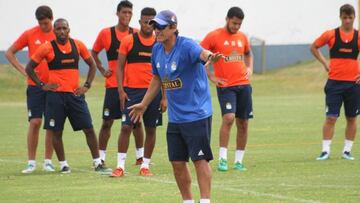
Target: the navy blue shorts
(190, 139)
(111, 108)
(339, 92)
(152, 116)
(36, 101)
(236, 100)
(60, 105)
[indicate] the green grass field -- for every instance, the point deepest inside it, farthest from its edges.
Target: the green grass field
(284, 140)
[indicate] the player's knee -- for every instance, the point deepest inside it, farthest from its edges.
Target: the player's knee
(89, 131)
(242, 124)
(106, 124)
(35, 122)
(331, 120)
(228, 119)
(351, 119)
(126, 129)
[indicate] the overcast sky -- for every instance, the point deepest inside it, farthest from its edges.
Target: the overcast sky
(275, 21)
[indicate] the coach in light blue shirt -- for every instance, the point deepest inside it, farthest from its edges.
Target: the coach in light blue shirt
(178, 66)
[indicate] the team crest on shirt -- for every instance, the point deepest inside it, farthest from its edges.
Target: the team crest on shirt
(37, 42)
(228, 106)
(52, 123)
(106, 112)
(233, 43)
(239, 43)
(226, 43)
(173, 66)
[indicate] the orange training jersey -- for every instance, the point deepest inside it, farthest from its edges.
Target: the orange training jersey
(344, 69)
(234, 47)
(103, 41)
(66, 77)
(138, 71)
(32, 39)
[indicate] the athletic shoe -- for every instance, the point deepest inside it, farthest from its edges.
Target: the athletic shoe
(29, 169)
(65, 170)
(239, 166)
(223, 166)
(347, 156)
(139, 161)
(48, 167)
(118, 172)
(323, 156)
(103, 170)
(145, 172)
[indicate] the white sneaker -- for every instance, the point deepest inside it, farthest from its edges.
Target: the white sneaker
(48, 167)
(29, 169)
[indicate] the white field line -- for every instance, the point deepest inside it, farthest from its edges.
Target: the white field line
(217, 187)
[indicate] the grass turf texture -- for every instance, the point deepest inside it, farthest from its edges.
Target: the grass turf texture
(284, 140)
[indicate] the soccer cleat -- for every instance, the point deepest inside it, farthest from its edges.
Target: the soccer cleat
(103, 170)
(223, 166)
(323, 156)
(118, 172)
(29, 169)
(347, 156)
(48, 167)
(145, 172)
(239, 166)
(139, 161)
(65, 170)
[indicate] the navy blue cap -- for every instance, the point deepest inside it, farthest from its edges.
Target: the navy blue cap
(165, 17)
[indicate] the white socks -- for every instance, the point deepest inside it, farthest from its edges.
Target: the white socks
(204, 201)
(139, 152)
(63, 164)
(348, 145)
(189, 201)
(97, 162)
(326, 146)
(121, 160)
(239, 155)
(102, 154)
(32, 162)
(47, 161)
(146, 163)
(223, 153)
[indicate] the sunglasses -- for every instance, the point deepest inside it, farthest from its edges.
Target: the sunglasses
(159, 27)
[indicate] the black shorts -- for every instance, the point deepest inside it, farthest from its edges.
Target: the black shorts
(190, 139)
(111, 108)
(60, 105)
(236, 100)
(339, 92)
(152, 116)
(35, 99)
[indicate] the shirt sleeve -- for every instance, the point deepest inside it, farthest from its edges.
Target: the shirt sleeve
(84, 52)
(247, 48)
(206, 43)
(41, 53)
(153, 63)
(323, 39)
(193, 51)
(126, 45)
(99, 42)
(22, 41)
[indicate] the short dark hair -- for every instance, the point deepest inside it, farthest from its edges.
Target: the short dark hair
(43, 12)
(147, 11)
(124, 4)
(235, 12)
(347, 9)
(60, 20)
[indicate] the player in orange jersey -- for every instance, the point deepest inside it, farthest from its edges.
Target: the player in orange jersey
(33, 39)
(65, 97)
(342, 86)
(232, 78)
(110, 40)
